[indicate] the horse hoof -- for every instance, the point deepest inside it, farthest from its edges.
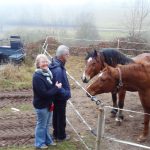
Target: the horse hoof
(118, 122)
(121, 117)
(141, 138)
(113, 113)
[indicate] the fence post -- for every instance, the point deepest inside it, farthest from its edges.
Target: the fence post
(118, 45)
(100, 127)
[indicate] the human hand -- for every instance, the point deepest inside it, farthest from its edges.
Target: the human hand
(59, 85)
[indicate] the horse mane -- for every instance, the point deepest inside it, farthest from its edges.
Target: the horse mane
(111, 56)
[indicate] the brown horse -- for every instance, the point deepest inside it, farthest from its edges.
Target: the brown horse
(95, 63)
(134, 77)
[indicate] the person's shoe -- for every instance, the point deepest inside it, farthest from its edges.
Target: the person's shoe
(42, 147)
(67, 138)
(52, 144)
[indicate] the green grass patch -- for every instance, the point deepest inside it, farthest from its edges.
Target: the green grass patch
(21, 107)
(69, 145)
(25, 107)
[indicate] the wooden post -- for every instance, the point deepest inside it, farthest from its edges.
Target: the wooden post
(118, 45)
(100, 128)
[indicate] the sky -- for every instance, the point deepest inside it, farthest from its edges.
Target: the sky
(59, 2)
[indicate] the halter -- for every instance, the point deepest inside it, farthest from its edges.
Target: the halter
(120, 83)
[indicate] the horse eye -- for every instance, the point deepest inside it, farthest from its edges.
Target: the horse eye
(102, 79)
(93, 63)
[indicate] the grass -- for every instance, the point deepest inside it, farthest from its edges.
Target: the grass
(25, 107)
(15, 77)
(75, 66)
(60, 146)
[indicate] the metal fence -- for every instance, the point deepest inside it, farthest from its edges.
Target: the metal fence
(100, 129)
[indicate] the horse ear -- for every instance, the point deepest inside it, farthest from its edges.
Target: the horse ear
(110, 69)
(95, 53)
(105, 65)
(87, 51)
(87, 55)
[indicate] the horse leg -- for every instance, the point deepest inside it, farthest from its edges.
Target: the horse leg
(120, 116)
(144, 97)
(143, 136)
(114, 99)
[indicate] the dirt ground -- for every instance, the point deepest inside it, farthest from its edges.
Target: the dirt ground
(17, 127)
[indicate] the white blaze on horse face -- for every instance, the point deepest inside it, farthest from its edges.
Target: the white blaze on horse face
(83, 76)
(90, 59)
(100, 74)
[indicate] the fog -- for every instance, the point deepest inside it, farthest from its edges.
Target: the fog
(106, 13)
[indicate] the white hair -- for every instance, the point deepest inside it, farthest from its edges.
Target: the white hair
(61, 50)
(39, 57)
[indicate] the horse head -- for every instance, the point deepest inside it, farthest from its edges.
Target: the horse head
(93, 65)
(104, 83)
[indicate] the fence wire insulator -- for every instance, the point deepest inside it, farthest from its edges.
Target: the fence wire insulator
(98, 102)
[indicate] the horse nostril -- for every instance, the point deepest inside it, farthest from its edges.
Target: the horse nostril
(84, 80)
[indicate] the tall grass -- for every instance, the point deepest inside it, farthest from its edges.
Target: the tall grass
(15, 77)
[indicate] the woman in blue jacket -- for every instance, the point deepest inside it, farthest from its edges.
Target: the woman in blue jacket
(44, 91)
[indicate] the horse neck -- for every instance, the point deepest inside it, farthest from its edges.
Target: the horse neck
(130, 73)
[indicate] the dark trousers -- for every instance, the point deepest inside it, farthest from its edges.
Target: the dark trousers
(59, 120)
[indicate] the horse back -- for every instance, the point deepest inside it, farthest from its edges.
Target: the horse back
(142, 58)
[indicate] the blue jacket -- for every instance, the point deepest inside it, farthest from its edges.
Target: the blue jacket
(59, 73)
(43, 91)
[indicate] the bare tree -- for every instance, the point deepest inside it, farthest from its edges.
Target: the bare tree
(87, 28)
(137, 17)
